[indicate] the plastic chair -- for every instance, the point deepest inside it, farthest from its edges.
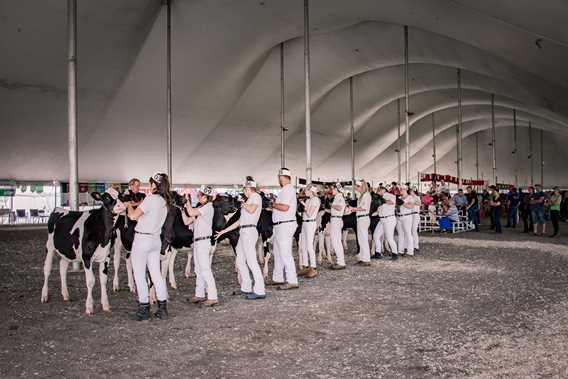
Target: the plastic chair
(21, 214)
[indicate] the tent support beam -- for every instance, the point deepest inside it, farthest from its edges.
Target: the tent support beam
(169, 88)
(352, 130)
(493, 150)
(459, 132)
(307, 91)
(282, 110)
(406, 106)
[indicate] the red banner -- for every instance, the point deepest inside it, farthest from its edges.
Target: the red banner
(450, 179)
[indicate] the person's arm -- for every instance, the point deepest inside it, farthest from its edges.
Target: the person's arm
(187, 220)
(228, 229)
(280, 206)
(249, 207)
(192, 212)
(133, 214)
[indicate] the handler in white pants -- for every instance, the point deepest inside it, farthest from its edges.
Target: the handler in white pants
(309, 225)
(246, 247)
(150, 214)
(406, 216)
(386, 226)
(416, 219)
(202, 220)
(363, 222)
(284, 220)
(336, 226)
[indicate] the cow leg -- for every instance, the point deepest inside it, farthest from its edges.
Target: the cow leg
(265, 268)
(63, 265)
(117, 250)
(129, 271)
(46, 271)
(344, 239)
(171, 265)
(260, 251)
(103, 277)
(90, 279)
(321, 247)
(165, 262)
(188, 273)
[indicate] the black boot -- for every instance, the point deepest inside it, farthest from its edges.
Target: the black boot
(162, 312)
(143, 312)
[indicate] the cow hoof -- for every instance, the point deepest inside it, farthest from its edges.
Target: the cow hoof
(115, 289)
(174, 286)
(44, 299)
(106, 310)
(89, 312)
(132, 290)
(66, 300)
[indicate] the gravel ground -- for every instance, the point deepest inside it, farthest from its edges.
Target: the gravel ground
(471, 305)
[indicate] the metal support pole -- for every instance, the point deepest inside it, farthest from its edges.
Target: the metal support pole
(406, 105)
(476, 155)
(542, 158)
(459, 132)
(282, 110)
(307, 91)
(72, 110)
(352, 128)
(493, 150)
(434, 144)
(515, 146)
(531, 154)
(169, 88)
(399, 143)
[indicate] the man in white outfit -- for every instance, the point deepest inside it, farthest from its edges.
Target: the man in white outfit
(284, 220)
(336, 226)
(416, 219)
(309, 225)
(246, 247)
(386, 225)
(406, 216)
(363, 222)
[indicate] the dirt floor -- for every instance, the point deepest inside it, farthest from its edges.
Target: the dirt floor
(471, 305)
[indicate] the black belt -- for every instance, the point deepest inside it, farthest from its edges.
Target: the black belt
(311, 220)
(336, 216)
(406, 214)
(282, 222)
(381, 217)
(248, 226)
(148, 234)
(201, 238)
(365, 215)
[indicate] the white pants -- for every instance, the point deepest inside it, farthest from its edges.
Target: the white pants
(385, 229)
(363, 224)
(405, 240)
(246, 259)
(146, 253)
(335, 226)
(307, 250)
(282, 249)
(205, 282)
(415, 224)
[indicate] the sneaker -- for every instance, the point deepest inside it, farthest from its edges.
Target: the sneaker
(377, 256)
(270, 282)
(312, 273)
(303, 271)
(394, 257)
(210, 302)
(337, 267)
(254, 296)
(364, 264)
(197, 300)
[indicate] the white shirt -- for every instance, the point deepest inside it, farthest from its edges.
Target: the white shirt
(365, 203)
(338, 200)
(387, 209)
(203, 224)
(251, 218)
(313, 202)
(408, 200)
(155, 212)
(417, 203)
(287, 195)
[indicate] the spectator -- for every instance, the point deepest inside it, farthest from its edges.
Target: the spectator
(537, 209)
(443, 188)
(525, 210)
(427, 199)
(473, 207)
(555, 202)
(449, 216)
(460, 200)
(513, 199)
(495, 204)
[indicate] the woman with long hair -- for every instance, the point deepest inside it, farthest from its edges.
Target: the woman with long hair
(150, 214)
(363, 222)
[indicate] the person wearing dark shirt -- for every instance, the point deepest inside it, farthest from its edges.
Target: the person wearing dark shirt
(473, 207)
(513, 199)
(537, 208)
(495, 204)
(525, 210)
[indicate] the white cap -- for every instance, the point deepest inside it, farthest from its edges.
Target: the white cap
(157, 177)
(284, 172)
(312, 188)
(358, 182)
(206, 190)
(339, 187)
(250, 182)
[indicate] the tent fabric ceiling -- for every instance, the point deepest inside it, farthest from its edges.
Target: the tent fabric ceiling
(226, 94)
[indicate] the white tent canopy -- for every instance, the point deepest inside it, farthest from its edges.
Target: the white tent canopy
(226, 87)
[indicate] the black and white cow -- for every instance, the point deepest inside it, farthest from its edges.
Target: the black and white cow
(83, 236)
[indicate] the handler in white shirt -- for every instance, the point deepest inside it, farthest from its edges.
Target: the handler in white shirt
(363, 222)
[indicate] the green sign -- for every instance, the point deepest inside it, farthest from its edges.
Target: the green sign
(7, 191)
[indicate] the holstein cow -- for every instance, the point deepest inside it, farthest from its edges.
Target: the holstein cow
(83, 236)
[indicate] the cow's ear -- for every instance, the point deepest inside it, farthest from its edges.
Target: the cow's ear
(97, 196)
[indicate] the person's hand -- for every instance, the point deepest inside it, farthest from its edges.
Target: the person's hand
(219, 234)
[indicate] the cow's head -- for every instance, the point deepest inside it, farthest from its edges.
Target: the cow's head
(111, 203)
(227, 204)
(177, 199)
(131, 196)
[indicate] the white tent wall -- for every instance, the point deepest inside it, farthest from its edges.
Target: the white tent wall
(226, 96)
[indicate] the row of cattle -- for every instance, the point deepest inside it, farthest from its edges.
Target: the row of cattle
(91, 236)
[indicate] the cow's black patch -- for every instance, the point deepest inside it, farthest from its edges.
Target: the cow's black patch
(61, 228)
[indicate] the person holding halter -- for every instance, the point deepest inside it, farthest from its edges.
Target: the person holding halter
(386, 225)
(336, 225)
(363, 222)
(202, 220)
(306, 248)
(150, 214)
(246, 247)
